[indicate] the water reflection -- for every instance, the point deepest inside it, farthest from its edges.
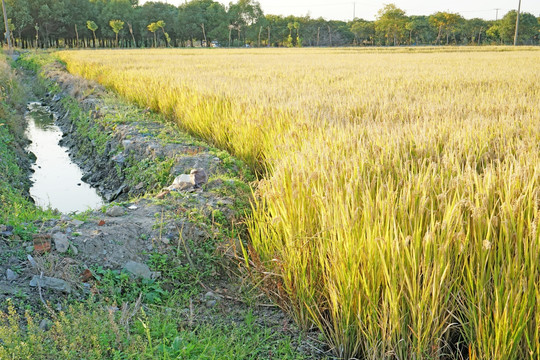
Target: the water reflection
(56, 181)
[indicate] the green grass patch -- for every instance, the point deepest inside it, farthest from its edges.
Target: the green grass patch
(91, 331)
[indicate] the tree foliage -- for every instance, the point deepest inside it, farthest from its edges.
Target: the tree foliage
(116, 26)
(62, 23)
(92, 26)
(528, 28)
(391, 22)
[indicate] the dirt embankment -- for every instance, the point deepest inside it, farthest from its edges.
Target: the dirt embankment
(125, 156)
(111, 140)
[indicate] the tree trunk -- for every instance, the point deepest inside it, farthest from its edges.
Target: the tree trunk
(132, 37)
(479, 36)
(318, 35)
(46, 39)
(259, 40)
(77, 35)
(204, 35)
(4, 10)
(330, 34)
(268, 42)
(166, 38)
(439, 35)
(230, 33)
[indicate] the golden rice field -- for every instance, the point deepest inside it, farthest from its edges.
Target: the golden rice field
(399, 200)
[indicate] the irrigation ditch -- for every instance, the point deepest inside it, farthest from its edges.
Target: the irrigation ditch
(167, 240)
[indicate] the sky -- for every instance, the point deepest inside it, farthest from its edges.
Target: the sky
(345, 10)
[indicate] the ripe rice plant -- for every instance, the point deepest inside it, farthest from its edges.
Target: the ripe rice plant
(399, 198)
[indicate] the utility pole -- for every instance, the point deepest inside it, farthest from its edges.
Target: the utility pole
(353, 10)
(517, 24)
(8, 35)
(497, 14)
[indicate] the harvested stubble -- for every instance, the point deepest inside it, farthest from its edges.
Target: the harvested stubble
(402, 198)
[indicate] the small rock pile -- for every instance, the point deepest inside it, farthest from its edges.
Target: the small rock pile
(186, 182)
(195, 179)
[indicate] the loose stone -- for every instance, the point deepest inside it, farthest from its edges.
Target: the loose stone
(61, 242)
(198, 177)
(138, 269)
(50, 283)
(115, 211)
(182, 182)
(11, 275)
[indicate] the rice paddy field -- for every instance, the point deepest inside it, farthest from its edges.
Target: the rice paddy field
(398, 204)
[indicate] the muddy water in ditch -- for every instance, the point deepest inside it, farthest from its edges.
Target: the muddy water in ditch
(57, 180)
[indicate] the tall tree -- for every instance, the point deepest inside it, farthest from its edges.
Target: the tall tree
(203, 20)
(363, 31)
(475, 30)
(528, 27)
(244, 15)
(217, 27)
(116, 26)
(445, 23)
(92, 26)
(19, 13)
(494, 32)
(161, 25)
(391, 22)
(153, 27)
(155, 11)
(116, 9)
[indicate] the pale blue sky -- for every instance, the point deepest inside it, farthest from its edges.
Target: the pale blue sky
(343, 9)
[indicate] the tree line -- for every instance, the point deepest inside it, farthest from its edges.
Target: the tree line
(126, 23)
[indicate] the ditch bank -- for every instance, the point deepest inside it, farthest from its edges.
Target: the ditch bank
(127, 155)
(125, 151)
